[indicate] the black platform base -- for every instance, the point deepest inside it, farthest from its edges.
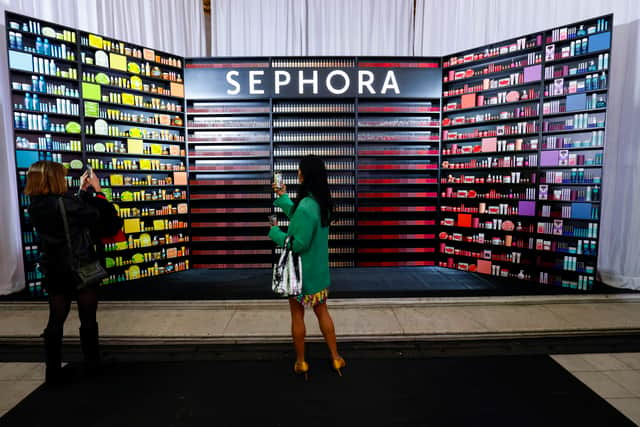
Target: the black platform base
(384, 282)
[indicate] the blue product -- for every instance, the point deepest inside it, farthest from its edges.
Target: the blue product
(42, 86)
(46, 47)
(39, 47)
(12, 40)
(45, 122)
(36, 102)
(16, 121)
(27, 101)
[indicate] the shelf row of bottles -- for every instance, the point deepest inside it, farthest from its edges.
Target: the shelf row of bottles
(132, 83)
(41, 46)
(492, 146)
(519, 128)
(494, 162)
(507, 178)
(48, 143)
(122, 48)
(507, 48)
(144, 69)
(41, 86)
(296, 151)
(559, 227)
(570, 33)
(134, 148)
(148, 196)
(308, 107)
(102, 128)
(146, 257)
(146, 241)
(129, 100)
(588, 194)
(473, 100)
(306, 122)
(523, 194)
(559, 106)
(492, 116)
(313, 63)
(43, 123)
(601, 63)
(591, 82)
(134, 272)
(141, 212)
(514, 79)
(493, 68)
(140, 118)
(61, 106)
(34, 27)
(592, 139)
(136, 164)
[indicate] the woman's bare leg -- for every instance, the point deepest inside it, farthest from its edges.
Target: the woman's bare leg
(327, 328)
(298, 330)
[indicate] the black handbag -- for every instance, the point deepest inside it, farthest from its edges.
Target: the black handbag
(86, 273)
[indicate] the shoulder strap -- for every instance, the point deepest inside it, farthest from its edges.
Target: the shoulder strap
(66, 224)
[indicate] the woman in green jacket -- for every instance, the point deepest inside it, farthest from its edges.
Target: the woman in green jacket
(309, 226)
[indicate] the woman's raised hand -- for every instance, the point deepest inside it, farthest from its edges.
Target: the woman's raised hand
(279, 190)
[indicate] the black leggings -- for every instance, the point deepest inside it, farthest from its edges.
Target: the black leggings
(60, 304)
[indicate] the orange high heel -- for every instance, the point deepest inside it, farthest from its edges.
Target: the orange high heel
(302, 368)
(338, 364)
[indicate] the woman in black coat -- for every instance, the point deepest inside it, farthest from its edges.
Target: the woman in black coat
(90, 216)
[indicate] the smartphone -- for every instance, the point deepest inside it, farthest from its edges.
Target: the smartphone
(273, 219)
(89, 171)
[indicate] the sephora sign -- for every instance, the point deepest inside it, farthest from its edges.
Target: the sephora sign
(212, 81)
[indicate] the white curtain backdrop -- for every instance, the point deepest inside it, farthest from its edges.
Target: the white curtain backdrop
(175, 26)
(455, 25)
(311, 27)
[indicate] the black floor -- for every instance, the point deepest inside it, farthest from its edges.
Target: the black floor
(346, 283)
(472, 391)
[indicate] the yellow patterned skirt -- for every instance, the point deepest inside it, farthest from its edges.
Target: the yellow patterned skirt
(313, 299)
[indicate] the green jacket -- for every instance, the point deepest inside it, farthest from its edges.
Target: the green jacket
(310, 240)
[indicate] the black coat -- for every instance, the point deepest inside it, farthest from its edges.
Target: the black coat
(89, 218)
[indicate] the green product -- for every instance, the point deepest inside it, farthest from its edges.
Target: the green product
(72, 127)
(102, 78)
(91, 109)
(91, 91)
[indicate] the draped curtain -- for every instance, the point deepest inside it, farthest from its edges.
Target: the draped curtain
(311, 27)
(174, 26)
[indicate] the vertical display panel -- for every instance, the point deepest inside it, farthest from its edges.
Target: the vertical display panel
(85, 100)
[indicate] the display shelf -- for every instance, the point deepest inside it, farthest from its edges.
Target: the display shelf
(546, 97)
(568, 113)
(448, 111)
(45, 94)
(574, 57)
(51, 76)
(484, 91)
(493, 58)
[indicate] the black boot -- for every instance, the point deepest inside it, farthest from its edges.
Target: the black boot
(53, 356)
(90, 349)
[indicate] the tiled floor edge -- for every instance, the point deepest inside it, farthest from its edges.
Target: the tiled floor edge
(348, 302)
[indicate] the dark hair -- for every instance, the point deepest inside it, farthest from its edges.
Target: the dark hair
(46, 177)
(315, 181)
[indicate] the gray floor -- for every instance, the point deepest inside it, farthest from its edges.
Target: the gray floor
(616, 377)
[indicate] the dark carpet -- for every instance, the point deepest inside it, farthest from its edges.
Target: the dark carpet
(384, 282)
(473, 391)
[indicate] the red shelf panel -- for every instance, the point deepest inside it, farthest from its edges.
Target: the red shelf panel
(397, 264)
(229, 196)
(398, 109)
(197, 154)
(230, 238)
(395, 236)
(395, 250)
(229, 65)
(395, 195)
(230, 224)
(233, 252)
(399, 65)
(398, 152)
(395, 167)
(207, 266)
(397, 209)
(249, 168)
(228, 139)
(229, 210)
(412, 222)
(398, 181)
(214, 110)
(230, 182)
